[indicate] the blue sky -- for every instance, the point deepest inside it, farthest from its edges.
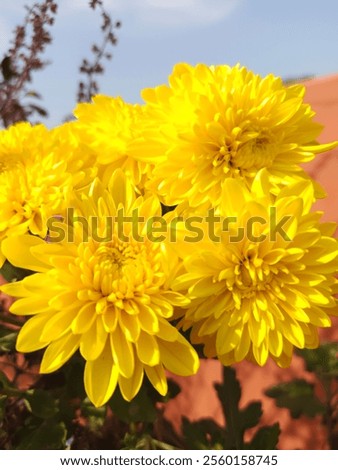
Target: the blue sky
(288, 38)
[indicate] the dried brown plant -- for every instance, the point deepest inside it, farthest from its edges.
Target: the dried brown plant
(90, 69)
(17, 99)
(22, 59)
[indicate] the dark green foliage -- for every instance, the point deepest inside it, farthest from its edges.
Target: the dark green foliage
(41, 403)
(298, 397)
(48, 435)
(322, 361)
(7, 340)
(12, 273)
(140, 409)
(206, 434)
(266, 438)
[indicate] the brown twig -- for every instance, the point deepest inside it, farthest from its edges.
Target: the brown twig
(22, 59)
(91, 69)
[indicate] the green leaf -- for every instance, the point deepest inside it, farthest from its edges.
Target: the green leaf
(203, 434)
(95, 416)
(7, 340)
(250, 416)
(323, 360)
(173, 390)
(73, 371)
(50, 435)
(41, 403)
(298, 396)
(266, 438)
(141, 409)
(12, 273)
(229, 394)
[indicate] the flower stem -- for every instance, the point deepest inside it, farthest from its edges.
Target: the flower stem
(231, 397)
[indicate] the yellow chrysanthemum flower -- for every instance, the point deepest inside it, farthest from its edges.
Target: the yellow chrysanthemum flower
(109, 126)
(103, 289)
(262, 280)
(219, 122)
(80, 159)
(34, 182)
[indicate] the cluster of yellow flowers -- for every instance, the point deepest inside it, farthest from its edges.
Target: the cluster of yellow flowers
(189, 213)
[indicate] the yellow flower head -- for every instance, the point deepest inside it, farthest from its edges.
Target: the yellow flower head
(80, 159)
(34, 182)
(265, 282)
(103, 289)
(214, 123)
(109, 126)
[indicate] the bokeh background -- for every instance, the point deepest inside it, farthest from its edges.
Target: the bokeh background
(296, 40)
(289, 38)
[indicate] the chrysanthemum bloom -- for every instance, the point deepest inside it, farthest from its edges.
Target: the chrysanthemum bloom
(109, 126)
(105, 291)
(34, 181)
(219, 122)
(266, 282)
(80, 159)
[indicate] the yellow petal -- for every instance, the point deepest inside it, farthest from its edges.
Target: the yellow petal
(179, 357)
(257, 330)
(131, 386)
(93, 341)
(2, 257)
(293, 332)
(230, 205)
(318, 317)
(176, 299)
(84, 319)
(56, 325)
(227, 338)
(167, 331)
(284, 220)
(29, 338)
(123, 352)
(260, 353)
(303, 189)
(148, 319)
(121, 189)
(100, 377)
(147, 349)
(42, 282)
(15, 289)
(58, 352)
(130, 324)
(30, 306)
(275, 342)
(243, 346)
(158, 379)
(17, 251)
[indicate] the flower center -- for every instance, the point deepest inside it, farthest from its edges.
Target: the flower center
(257, 153)
(252, 276)
(115, 265)
(115, 255)
(7, 163)
(246, 157)
(118, 275)
(249, 275)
